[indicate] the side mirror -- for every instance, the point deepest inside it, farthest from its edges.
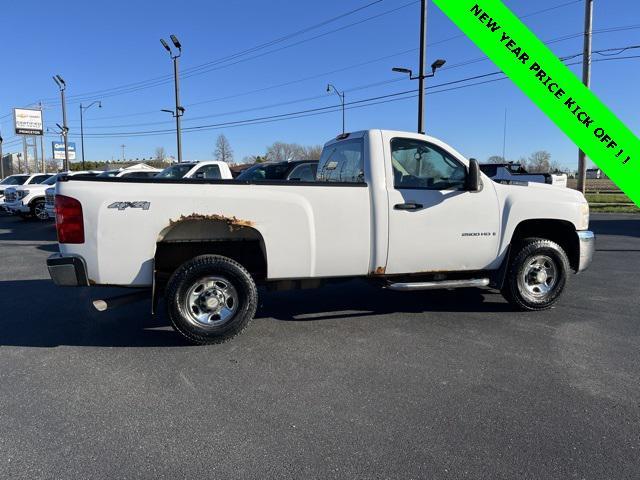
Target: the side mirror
(473, 183)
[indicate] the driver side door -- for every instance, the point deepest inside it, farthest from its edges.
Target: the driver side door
(435, 224)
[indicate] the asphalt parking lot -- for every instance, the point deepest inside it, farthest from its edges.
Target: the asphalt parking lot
(344, 382)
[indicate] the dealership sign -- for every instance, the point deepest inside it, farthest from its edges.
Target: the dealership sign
(28, 121)
(58, 150)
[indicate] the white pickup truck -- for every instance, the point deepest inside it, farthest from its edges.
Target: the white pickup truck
(401, 209)
(514, 173)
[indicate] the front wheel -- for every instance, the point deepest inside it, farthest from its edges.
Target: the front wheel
(537, 274)
(39, 211)
(211, 299)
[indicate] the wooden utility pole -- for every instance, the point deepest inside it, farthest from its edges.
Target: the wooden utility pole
(586, 79)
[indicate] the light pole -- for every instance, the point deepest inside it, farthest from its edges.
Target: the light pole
(82, 109)
(179, 110)
(434, 66)
(65, 130)
(341, 95)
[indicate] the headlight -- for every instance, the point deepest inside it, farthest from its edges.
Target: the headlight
(584, 216)
(22, 193)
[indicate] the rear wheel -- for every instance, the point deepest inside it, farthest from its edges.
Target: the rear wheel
(537, 274)
(211, 299)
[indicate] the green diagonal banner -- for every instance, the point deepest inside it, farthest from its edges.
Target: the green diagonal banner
(552, 87)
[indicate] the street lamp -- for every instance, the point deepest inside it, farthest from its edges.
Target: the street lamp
(434, 66)
(179, 111)
(341, 95)
(65, 130)
(82, 109)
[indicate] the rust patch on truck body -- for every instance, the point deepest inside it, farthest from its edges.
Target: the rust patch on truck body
(379, 271)
(233, 223)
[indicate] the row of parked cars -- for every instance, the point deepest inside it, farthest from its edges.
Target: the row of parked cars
(32, 195)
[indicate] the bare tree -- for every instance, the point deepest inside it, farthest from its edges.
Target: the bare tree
(223, 151)
(539, 162)
(283, 152)
(312, 152)
(160, 154)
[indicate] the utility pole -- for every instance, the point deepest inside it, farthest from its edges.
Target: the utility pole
(65, 130)
(44, 164)
(504, 137)
(423, 59)
(122, 146)
(1, 159)
(179, 110)
(586, 79)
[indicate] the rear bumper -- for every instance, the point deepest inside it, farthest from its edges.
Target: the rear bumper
(67, 270)
(587, 245)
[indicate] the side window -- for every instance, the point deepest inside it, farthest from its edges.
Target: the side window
(417, 164)
(39, 179)
(211, 172)
(342, 162)
(302, 173)
(139, 174)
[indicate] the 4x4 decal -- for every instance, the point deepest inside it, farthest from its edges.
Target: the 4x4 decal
(124, 205)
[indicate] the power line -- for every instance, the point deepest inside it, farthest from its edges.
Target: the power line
(280, 39)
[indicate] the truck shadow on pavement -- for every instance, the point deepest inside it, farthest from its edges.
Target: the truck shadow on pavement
(360, 299)
(36, 313)
(15, 228)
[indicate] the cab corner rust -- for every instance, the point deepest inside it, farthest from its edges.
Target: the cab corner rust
(379, 271)
(233, 223)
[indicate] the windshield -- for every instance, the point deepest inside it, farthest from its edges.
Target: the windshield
(272, 171)
(109, 173)
(175, 171)
(14, 180)
(50, 180)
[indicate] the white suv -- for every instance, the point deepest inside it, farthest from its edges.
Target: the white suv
(21, 181)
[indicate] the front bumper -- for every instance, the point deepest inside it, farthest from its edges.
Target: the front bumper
(67, 270)
(586, 247)
(17, 207)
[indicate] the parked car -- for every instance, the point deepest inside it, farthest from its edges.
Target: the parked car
(209, 170)
(131, 173)
(28, 201)
(49, 193)
(12, 195)
(11, 181)
(298, 170)
(509, 173)
(400, 209)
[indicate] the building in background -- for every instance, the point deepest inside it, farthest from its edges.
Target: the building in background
(10, 164)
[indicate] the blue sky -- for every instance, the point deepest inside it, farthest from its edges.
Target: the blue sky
(105, 47)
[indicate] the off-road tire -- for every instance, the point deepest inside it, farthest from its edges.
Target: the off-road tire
(514, 289)
(191, 272)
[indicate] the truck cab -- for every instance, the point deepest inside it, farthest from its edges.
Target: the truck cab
(213, 170)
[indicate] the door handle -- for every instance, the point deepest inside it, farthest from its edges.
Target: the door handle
(408, 206)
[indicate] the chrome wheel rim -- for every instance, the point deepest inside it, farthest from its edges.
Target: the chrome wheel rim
(40, 211)
(211, 302)
(539, 276)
